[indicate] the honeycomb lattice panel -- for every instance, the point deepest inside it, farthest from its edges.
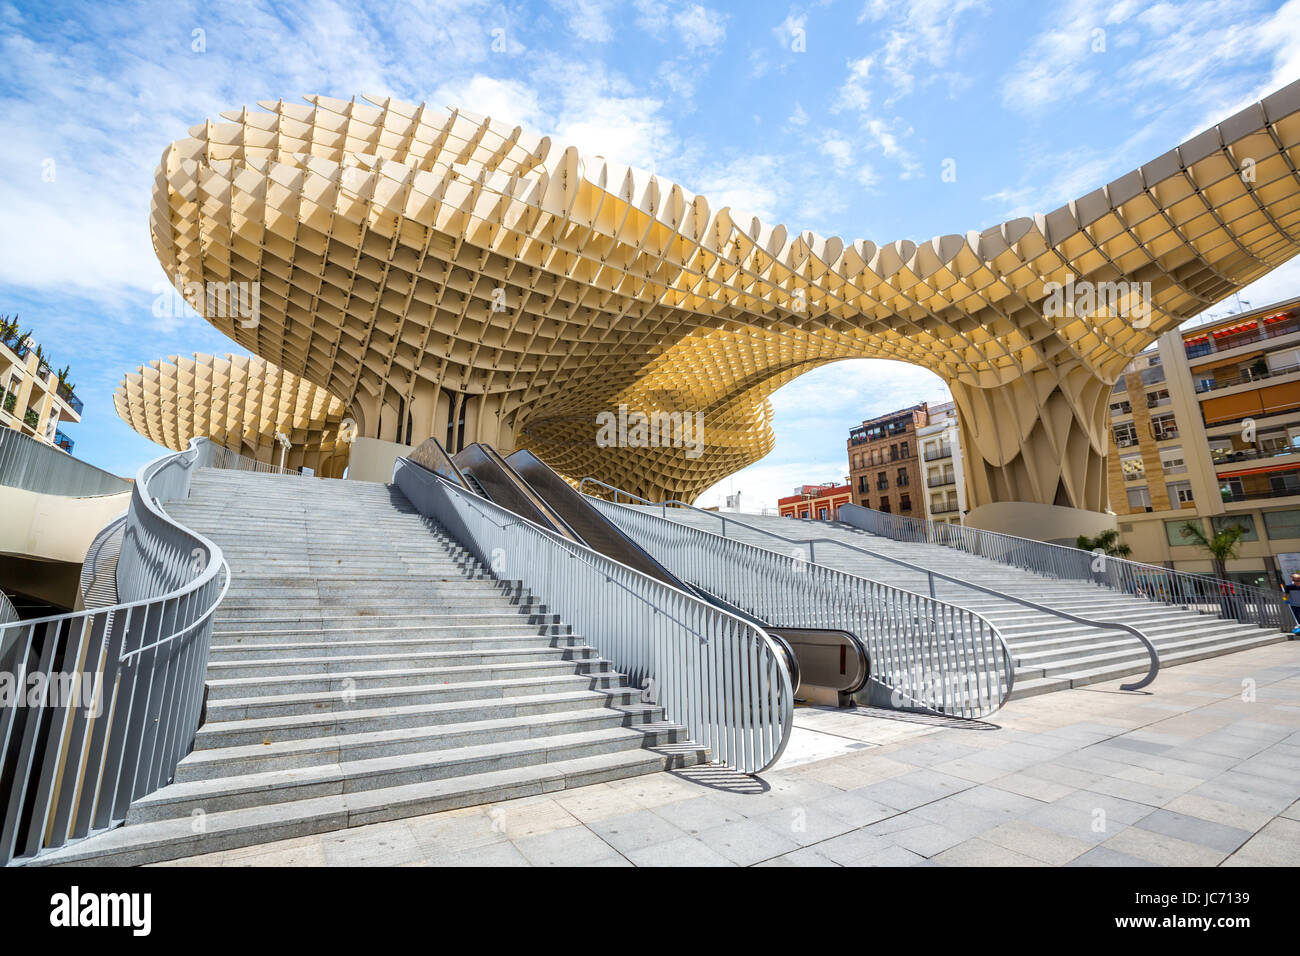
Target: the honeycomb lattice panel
(238, 402)
(447, 275)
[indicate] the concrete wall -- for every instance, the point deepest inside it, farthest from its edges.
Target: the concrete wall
(1028, 519)
(52, 527)
(373, 459)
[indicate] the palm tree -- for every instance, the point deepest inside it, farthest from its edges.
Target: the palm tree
(1222, 545)
(1107, 543)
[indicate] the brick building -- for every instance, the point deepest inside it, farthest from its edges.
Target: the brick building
(884, 466)
(821, 502)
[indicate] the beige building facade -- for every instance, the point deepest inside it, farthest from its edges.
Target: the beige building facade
(33, 399)
(1206, 427)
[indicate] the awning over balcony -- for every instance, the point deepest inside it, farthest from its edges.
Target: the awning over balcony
(1262, 401)
(1262, 470)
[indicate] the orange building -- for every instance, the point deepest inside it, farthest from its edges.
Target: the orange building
(821, 502)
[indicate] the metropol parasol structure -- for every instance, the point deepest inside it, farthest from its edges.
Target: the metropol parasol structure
(442, 274)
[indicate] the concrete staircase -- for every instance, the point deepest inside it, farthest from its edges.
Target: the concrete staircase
(365, 668)
(1051, 652)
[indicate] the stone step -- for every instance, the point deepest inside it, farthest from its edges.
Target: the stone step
(404, 661)
(176, 838)
(407, 649)
(344, 749)
(261, 731)
(354, 680)
(280, 705)
(283, 786)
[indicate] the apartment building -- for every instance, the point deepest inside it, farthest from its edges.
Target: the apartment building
(819, 502)
(942, 477)
(885, 464)
(33, 398)
(1206, 427)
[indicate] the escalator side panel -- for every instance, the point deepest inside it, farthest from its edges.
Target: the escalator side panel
(593, 528)
(504, 487)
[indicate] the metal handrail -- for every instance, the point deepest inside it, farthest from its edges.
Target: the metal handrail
(938, 656)
(1152, 670)
(32, 465)
(122, 686)
(1202, 593)
(7, 611)
(716, 674)
(233, 461)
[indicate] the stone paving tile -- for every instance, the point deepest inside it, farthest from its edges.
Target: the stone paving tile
(685, 851)
(1261, 850)
(746, 842)
(1103, 856)
(1218, 811)
(698, 813)
(808, 856)
(971, 770)
(589, 804)
(854, 846)
(494, 855)
(572, 846)
(635, 831)
(1027, 785)
(889, 856)
(854, 808)
(1165, 850)
(1041, 843)
(1195, 830)
(804, 825)
(980, 852)
(928, 839)
(300, 851)
(380, 844)
(441, 833)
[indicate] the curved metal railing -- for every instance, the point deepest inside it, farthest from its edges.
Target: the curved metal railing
(233, 461)
(719, 676)
(930, 654)
(32, 465)
(108, 700)
(7, 612)
(98, 584)
(1153, 656)
(1202, 593)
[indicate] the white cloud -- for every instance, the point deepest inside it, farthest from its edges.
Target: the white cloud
(698, 27)
(588, 19)
(839, 150)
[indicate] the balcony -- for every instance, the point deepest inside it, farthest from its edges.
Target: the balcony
(1224, 457)
(1209, 343)
(1244, 377)
(944, 452)
(1286, 486)
(942, 482)
(63, 441)
(69, 396)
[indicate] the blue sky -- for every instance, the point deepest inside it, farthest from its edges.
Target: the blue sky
(834, 116)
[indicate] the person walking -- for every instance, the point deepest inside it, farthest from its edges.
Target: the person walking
(1292, 592)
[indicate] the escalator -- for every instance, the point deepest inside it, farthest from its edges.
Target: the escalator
(825, 665)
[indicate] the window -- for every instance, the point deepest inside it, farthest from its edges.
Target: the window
(884, 505)
(1285, 483)
(1159, 397)
(1139, 499)
(821, 514)
(1126, 435)
(1174, 535)
(1232, 489)
(882, 482)
(1245, 522)
(1121, 408)
(1282, 524)
(902, 449)
(1164, 427)
(893, 453)
(1152, 375)
(863, 484)
(1172, 461)
(1180, 493)
(1132, 468)
(902, 478)
(904, 502)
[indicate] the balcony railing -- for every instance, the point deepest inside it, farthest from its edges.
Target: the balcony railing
(1291, 488)
(1223, 344)
(63, 441)
(69, 396)
(944, 452)
(1245, 377)
(943, 482)
(1223, 458)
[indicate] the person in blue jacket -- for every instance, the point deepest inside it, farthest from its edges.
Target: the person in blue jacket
(1293, 598)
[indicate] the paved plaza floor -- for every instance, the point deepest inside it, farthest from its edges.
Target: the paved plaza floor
(1202, 770)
